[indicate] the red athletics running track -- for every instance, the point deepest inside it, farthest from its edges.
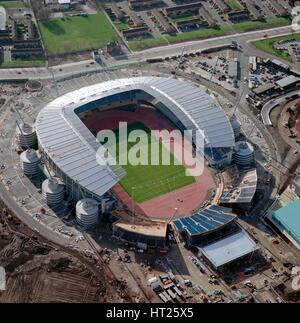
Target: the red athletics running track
(186, 199)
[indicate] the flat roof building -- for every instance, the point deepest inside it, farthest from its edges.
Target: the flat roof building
(288, 81)
(233, 70)
(228, 249)
(287, 220)
(264, 88)
(151, 233)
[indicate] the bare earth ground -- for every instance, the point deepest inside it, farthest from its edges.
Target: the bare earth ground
(37, 271)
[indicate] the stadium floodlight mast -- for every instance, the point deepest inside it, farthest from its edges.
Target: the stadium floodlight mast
(212, 73)
(54, 81)
(174, 214)
(238, 102)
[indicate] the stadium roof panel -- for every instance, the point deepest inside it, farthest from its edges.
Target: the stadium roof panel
(64, 137)
(209, 219)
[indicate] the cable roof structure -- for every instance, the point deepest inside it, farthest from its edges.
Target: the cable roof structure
(71, 147)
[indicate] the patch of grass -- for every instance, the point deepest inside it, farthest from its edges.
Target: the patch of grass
(145, 43)
(144, 182)
(267, 45)
(122, 26)
(73, 34)
(234, 5)
(12, 4)
(23, 63)
(183, 17)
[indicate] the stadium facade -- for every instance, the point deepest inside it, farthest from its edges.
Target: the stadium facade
(69, 148)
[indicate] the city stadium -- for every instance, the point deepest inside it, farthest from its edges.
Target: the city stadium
(150, 206)
(66, 129)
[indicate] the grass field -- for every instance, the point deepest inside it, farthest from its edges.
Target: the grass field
(266, 45)
(12, 4)
(73, 34)
(209, 32)
(22, 63)
(122, 26)
(144, 182)
(234, 5)
(136, 45)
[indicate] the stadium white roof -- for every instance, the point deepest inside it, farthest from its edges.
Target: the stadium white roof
(229, 249)
(2, 18)
(72, 147)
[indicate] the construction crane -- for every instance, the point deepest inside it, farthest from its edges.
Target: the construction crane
(212, 73)
(238, 101)
(179, 61)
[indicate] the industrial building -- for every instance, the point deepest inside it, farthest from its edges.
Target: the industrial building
(287, 220)
(216, 235)
(229, 249)
(288, 82)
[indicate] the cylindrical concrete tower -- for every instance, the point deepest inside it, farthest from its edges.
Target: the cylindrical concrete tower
(27, 136)
(29, 162)
(87, 211)
(52, 191)
(244, 153)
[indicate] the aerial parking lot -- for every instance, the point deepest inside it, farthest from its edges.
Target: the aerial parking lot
(76, 33)
(282, 47)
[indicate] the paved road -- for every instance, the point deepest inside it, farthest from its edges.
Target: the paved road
(84, 67)
(270, 105)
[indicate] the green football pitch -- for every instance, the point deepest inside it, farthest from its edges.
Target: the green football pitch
(144, 182)
(72, 34)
